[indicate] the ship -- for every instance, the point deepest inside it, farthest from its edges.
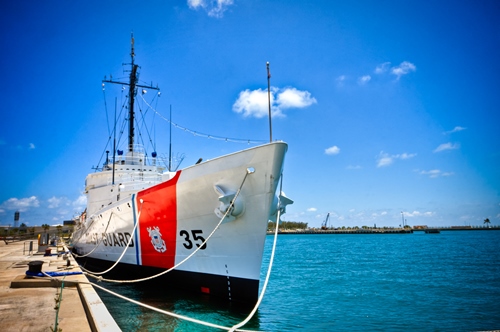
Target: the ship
(202, 228)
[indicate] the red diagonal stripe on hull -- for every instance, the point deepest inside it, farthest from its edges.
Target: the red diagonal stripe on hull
(159, 209)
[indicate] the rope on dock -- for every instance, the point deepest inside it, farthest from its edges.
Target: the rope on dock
(58, 305)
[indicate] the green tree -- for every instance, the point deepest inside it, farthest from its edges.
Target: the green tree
(45, 227)
(487, 221)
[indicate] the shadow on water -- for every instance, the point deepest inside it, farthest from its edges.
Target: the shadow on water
(132, 317)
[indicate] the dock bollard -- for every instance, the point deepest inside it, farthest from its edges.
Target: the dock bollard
(35, 266)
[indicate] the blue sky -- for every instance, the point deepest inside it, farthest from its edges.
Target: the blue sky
(387, 106)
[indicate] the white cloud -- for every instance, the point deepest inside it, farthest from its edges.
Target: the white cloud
(53, 202)
(80, 202)
(32, 146)
(404, 68)
(340, 80)
(214, 8)
(252, 103)
(255, 103)
(456, 129)
(364, 79)
(384, 159)
(419, 214)
(312, 209)
(435, 173)
(382, 68)
(58, 202)
(333, 150)
(353, 167)
(21, 205)
(447, 146)
(293, 98)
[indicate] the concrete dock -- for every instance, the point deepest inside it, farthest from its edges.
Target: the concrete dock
(31, 304)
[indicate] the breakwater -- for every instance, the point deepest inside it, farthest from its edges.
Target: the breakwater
(382, 230)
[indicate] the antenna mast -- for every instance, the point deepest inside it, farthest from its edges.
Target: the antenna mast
(269, 101)
(170, 145)
(131, 94)
(132, 84)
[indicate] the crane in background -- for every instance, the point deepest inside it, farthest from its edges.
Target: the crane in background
(325, 222)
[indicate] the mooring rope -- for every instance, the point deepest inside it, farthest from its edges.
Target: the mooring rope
(188, 257)
(94, 274)
(92, 220)
(98, 242)
(268, 275)
(196, 133)
(165, 312)
(194, 320)
(58, 305)
(269, 268)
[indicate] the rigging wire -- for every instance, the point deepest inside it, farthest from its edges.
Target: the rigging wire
(106, 107)
(144, 125)
(196, 133)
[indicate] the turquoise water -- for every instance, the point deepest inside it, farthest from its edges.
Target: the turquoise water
(364, 282)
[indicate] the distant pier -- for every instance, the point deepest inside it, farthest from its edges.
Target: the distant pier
(382, 230)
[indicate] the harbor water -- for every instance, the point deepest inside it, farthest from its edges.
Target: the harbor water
(345, 282)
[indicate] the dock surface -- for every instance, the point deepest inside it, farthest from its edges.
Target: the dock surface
(29, 304)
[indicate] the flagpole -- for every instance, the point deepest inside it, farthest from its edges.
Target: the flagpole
(269, 101)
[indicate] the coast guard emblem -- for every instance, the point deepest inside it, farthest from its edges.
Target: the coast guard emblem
(156, 240)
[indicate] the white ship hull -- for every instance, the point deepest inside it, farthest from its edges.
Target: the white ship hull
(174, 216)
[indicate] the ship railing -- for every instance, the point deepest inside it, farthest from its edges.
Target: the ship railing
(142, 177)
(136, 155)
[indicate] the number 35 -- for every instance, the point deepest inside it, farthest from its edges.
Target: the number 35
(188, 244)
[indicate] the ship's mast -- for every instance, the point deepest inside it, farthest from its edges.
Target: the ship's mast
(132, 84)
(131, 94)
